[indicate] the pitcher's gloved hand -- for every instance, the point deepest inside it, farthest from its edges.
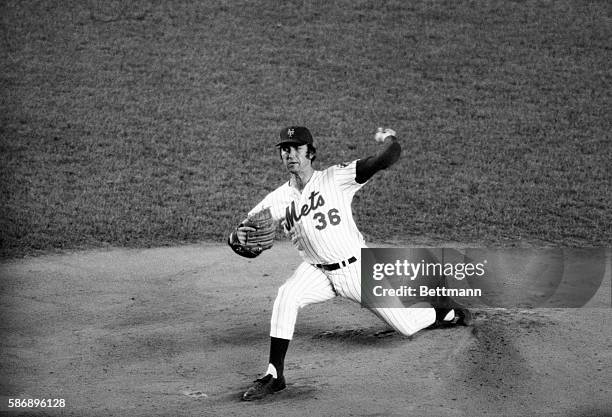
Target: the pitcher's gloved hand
(253, 235)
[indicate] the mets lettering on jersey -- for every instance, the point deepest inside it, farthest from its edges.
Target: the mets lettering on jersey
(291, 216)
(319, 219)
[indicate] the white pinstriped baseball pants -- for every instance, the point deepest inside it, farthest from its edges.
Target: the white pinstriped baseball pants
(309, 285)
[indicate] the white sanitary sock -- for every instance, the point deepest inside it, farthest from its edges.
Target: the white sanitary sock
(272, 371)
(450, 315)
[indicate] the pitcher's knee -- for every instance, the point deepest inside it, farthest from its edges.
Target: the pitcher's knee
(286, 305)
(419, 319)
(287, 297)
(410, 320)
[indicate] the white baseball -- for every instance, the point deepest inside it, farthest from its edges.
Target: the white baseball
(383, 133)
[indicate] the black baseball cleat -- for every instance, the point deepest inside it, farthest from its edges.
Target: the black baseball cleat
(264, 386)
(463, 317)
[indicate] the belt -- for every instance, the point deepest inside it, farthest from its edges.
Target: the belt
(333, 267)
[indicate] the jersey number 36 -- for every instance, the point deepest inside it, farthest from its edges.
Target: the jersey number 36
(332, 215)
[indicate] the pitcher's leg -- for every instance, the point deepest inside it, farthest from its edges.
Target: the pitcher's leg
(406, 320)
(307, 285)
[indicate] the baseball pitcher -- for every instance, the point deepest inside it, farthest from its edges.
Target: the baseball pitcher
(314, 210)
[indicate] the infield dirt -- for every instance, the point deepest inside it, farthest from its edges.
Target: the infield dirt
(183, 331)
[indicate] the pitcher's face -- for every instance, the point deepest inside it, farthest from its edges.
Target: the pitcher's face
(295, 158)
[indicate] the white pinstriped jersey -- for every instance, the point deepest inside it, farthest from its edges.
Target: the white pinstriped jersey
(319, 220)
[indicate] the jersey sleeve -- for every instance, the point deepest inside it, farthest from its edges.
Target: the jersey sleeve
(274, 201)
(367, 167)
(344, 176)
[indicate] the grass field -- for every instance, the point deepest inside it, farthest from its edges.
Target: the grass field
(153, 122)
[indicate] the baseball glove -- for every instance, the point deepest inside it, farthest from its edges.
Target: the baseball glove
(260, 232)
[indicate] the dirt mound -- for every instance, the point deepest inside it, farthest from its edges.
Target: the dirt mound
(182, 331)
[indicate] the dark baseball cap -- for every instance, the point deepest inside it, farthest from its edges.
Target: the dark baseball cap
(296, 135)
